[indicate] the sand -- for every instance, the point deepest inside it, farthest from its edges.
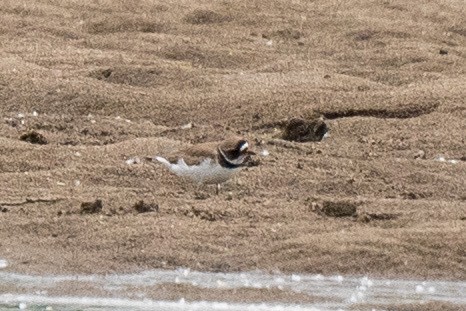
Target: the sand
(93, 84)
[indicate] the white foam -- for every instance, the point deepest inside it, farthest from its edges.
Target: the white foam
(336, 291)
(145, 304)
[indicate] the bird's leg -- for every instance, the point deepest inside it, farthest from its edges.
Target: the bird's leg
(217, 189)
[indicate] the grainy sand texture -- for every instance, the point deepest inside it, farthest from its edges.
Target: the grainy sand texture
(90, 88)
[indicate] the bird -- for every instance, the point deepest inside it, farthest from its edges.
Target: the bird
(210, 162)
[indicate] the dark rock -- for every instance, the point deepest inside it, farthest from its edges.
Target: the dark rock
(338, 208)
(301, 130)
(443, 52)
(91, 207)
(142, 207)
(34, 137)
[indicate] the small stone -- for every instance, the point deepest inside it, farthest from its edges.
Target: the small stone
(34, 137)
(91, 207)
(135, 160)
(264, 153)
(443, 52)
(142, 207)
(338, 208)
(3, 263)
(301, 130)
(187, 126)
(420, 155)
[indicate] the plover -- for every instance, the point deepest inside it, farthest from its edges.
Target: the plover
(209, 163)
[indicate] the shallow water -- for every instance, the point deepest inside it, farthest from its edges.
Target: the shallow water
(129, 291)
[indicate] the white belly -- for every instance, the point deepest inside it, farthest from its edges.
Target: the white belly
(208, 172)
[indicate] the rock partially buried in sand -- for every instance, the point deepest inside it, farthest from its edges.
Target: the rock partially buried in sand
(34, 137)
(301, 130)
(420, 155)
(336, 208)
(142, 207)
(91, 207)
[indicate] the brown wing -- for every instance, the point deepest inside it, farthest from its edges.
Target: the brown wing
(194, 155)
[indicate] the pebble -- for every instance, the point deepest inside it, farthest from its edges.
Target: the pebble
(134, 160)
(3, 263)
(420, 155)
(187, 126)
